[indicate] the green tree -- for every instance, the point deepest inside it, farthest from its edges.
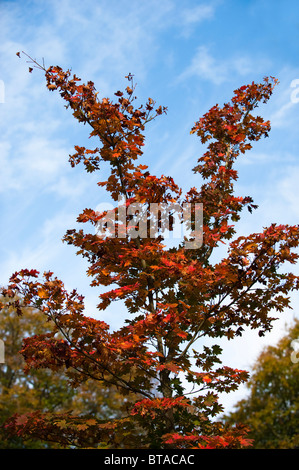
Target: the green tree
(23, 391)
(271, 410)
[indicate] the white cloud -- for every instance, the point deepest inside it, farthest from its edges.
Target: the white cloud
(41, 160)
(197, 14)
(207, 67)
(7, 179)
(42, 247)
(286, 108)
(287, 188)
(68, 188)
(31, 165)
(190, 17)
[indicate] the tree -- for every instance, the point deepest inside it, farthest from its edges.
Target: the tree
(174, 296)
(42, 389)
(271, 409)
(19, 392)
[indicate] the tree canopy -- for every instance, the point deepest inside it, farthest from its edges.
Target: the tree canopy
(174, 296)
(271, 409)
(42, 390)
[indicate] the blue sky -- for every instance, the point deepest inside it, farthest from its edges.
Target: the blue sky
(187, 55)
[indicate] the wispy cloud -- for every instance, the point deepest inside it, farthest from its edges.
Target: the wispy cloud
(197, 14)
(286, 100)
(36, 163)
(191, 17)
(287, 192)
(206, 67)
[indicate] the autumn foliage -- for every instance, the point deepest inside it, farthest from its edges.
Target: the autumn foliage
(175, 296)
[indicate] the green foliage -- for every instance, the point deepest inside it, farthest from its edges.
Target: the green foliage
(42, 389)
(271, 409)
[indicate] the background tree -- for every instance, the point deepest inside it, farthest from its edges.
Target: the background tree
(271, 409)
(174, 296)
(42, 389)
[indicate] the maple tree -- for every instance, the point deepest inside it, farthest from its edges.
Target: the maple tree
(174, 296)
